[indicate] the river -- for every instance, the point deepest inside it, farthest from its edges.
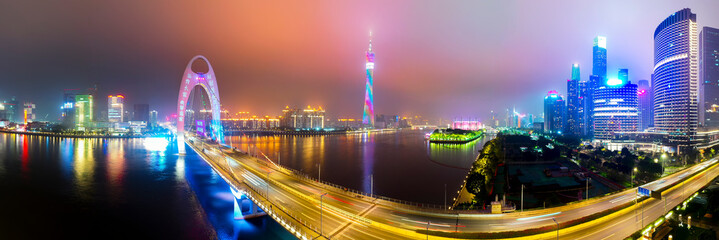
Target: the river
(65, 188)
(397, 164)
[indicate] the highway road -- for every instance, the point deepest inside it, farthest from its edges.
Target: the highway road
(347, 215)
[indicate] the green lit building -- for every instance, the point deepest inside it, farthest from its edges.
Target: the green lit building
(83, 112)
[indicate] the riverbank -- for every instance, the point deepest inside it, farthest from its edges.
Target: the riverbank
(454, 136)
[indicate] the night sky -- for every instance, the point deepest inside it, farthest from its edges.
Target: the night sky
(445, 59)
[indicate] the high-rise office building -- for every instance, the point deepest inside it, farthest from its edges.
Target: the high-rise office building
(644, 95)
(594, 82)
(153, 119)
(676, 77)
(709, 77)
(583, 92)
(574, 104)
(9, 110)
(142, 112)
(29, 112)
(599, 57)
(83, 111)
(368, 114)
(597, 79)
(615, 108)
(115, 108)
(554, 112)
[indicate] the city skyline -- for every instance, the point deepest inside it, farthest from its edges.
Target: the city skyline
(426, 54)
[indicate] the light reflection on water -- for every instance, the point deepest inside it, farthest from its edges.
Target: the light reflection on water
(132, 188)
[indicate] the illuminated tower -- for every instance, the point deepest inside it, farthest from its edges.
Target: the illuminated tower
(676, 74)
(115, 108)
(574, 104)
(368, 115)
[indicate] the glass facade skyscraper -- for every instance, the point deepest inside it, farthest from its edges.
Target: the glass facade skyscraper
(615, 108)
(554, 112)
(115, 108)
(709, 77)
(676, 77)
(574, 104)
(83, 112)
(599, 57)
(644, 95)
(599, 75)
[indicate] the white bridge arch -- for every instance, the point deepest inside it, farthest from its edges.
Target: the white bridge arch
(208, 82)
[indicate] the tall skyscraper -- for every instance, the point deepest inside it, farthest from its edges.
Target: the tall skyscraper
(709, 77)
(83, 112)
(583, 91)
(9, 110)
(644, 95)
(676, 76)
(153, 119)
(574, 104)
(597, 79)
(115, 108)
(368, 114)
(615, 108)
(29, 112)
(599, 57)
(591, 85)
(554, 112)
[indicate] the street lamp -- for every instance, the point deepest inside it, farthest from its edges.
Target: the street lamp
(555, 221)
(522, 201)
(267, 190)
(664, 160)
(631, 177)
(321, 210)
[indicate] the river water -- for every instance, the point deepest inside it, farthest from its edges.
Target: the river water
(399, 164)
(63, 188)
(54, 187)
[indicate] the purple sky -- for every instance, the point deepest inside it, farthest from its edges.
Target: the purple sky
(434, 58)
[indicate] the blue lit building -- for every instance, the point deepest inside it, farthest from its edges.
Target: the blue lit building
(599, 57)
(554, 112)
(597, 79)
(574, 104)
(615, 108)
(709, 77)
(644, 95)
(676, 78)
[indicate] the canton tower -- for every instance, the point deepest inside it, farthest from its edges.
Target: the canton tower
(368, 114)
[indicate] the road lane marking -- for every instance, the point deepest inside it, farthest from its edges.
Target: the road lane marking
(608, 236)
(540, 216)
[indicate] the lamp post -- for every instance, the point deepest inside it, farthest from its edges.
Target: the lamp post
(631, 178)
(587, 179)
(428, 222)
(267, 190)
(664, 159)
(555, 221)
(321, 210)
(522, 199)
